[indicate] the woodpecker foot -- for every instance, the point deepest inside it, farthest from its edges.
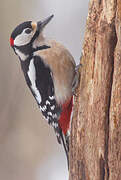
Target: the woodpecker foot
(78, 66)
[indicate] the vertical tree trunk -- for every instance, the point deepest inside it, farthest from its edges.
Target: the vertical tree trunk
(95, 145)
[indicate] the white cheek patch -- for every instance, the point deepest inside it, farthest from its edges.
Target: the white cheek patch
(23, 38)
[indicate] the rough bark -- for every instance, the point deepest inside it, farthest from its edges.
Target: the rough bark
(95, 144)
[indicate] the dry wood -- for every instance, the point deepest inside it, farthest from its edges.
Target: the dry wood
(95, 145)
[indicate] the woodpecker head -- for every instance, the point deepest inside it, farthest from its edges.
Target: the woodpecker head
(24, 37)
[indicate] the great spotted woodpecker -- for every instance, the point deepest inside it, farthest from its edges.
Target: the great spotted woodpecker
(50, 73)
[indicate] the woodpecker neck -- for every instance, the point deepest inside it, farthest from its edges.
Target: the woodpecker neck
(23, 52)
(26, 51)
(39, 41)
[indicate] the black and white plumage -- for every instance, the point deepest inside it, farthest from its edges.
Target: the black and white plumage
(40, 81)
(49, 71)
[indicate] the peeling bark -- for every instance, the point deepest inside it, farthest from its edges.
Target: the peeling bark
(95, 144)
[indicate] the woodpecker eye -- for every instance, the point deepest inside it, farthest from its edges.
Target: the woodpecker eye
(28, 31)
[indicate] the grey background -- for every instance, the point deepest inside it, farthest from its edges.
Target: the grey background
(28, 146)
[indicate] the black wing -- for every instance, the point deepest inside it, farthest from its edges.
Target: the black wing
(40, 81)
(42, 88)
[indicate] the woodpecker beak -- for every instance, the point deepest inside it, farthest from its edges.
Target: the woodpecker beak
(42, 24)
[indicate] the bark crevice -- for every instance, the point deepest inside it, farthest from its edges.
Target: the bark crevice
(114, 39)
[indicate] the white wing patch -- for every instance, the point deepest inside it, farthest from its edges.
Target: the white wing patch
(32, 77)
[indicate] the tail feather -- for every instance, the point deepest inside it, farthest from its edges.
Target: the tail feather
(64, 140)
(66, 147)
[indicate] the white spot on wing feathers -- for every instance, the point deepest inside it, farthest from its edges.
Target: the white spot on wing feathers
(54, 116)
(52, 107)
(47, 102)
(51, 97)
(54, 124)
(32, 77)
(49, 113)
(44, 108)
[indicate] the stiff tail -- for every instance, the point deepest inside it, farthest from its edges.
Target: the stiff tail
(66, 147)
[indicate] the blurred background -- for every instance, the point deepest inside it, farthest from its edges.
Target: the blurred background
(28, 146)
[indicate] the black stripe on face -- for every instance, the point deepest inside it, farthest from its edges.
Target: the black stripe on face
(18, 30)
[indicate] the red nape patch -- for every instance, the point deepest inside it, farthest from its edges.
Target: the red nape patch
(11, 42)
(64, 120)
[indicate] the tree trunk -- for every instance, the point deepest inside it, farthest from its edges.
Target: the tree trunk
(95, 144)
